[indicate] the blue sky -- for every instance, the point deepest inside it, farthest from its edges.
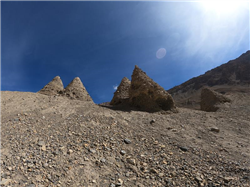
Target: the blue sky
(101, 42)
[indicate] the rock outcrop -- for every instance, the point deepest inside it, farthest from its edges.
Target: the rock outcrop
(121, 95)
(53, 87)
(76, 90)
(147, 95)
(211, 99)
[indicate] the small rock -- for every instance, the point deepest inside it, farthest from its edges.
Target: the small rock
(112, 185)
(103, 160)
(198, 178)
(162, 146)
(153, 170)
(131, 161)
(43, 148)
(70, 151)
(45, 165)
(215, 129)
(183, 148)
(123, 152)
(228, 179)
(127, 174)
(127, 141)
(119, 182)
(92, 151)
(161, 174)
(41, 143)
(55, 152)
(152, 121)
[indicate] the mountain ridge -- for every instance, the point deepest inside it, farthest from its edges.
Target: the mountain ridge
(231, 76)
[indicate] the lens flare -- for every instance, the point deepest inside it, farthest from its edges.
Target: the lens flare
(160, 53)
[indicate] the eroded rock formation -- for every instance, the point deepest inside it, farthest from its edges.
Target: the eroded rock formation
(147, 95)
(76, 90)
(121, 95)
(53, 87)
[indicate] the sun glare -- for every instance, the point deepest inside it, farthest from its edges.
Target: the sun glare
(223, 6)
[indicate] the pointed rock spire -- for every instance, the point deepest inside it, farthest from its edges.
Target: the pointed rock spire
(121, 95)
(53, 87)
(147, 95)
(76, 90)
(210, 100)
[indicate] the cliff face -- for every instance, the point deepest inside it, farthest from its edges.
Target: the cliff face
(230, 77)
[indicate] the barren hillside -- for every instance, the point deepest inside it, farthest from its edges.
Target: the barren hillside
(233, 76)
(55, 141)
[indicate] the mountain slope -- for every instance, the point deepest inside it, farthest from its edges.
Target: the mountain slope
(233, 76)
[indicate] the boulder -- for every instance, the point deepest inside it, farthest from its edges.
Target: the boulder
(147, 95)
(210, 100)
(53, 87)
(121, 95)
(76, 90)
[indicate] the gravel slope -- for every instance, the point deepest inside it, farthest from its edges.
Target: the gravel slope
(55, 141)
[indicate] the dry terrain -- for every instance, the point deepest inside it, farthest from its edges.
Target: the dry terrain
(56, 141)
(60, 137)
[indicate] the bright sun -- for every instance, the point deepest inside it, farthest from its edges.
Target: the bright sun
(222, 6)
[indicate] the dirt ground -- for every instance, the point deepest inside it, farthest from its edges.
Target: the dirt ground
(55, 141)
